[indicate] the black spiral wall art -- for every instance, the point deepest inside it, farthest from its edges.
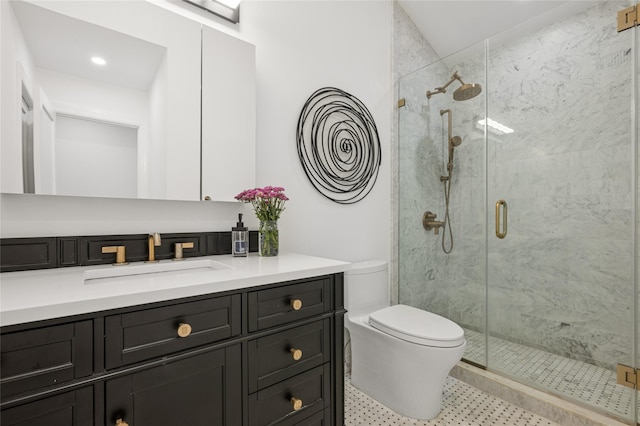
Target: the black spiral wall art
(338, 145)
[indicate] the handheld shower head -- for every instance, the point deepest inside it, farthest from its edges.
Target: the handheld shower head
(465, 92)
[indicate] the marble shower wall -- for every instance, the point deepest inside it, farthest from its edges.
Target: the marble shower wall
(562, 280)
(411, 52)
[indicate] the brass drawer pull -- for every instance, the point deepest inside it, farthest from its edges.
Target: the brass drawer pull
(296, 304)
(296, 354)
(120, 422)
(296, 403)
(184, 329)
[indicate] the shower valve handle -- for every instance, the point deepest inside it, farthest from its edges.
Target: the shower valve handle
(429, 222)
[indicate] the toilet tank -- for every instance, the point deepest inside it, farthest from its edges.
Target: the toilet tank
(366, 287)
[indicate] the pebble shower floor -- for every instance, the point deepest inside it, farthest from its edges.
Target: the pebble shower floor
(462, 405)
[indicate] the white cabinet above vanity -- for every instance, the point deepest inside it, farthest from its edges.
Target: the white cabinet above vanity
(173, 136)
(228, 115)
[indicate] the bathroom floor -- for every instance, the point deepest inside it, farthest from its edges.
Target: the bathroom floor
(575, 379)
(462, 405)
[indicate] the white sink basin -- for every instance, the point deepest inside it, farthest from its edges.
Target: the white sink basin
(147, 270)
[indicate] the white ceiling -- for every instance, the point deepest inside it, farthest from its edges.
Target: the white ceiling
(450, 26)
(66, 45)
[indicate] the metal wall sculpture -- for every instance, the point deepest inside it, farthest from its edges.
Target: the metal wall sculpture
(338, 145)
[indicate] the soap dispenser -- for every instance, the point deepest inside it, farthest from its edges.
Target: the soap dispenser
(239, 238)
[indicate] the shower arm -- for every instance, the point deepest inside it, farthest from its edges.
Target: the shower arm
(443, 89)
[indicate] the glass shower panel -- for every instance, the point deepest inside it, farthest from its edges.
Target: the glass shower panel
(636, 139)
(560, 282)
(451, 285)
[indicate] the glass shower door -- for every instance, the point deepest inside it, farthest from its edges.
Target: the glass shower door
(448, 284)
(560, 206)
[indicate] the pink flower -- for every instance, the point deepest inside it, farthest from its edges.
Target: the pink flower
(268, 202)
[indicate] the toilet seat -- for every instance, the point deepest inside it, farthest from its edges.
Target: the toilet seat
(417, 326)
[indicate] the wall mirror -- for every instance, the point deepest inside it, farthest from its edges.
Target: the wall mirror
(127, 127)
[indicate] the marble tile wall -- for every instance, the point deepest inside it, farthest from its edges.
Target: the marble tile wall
(562, 280)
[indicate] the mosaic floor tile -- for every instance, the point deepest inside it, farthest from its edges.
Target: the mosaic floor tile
(582, 382)
(462, 405)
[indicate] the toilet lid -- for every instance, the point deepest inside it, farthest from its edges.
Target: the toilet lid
(417, 326)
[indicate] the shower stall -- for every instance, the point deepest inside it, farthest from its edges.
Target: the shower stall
(542, 206)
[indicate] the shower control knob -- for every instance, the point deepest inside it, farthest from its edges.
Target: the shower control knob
(429, 222)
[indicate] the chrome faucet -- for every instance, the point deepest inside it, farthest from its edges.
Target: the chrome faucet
(154, 241)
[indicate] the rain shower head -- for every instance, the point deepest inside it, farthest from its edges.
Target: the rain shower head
(462, 93)
(467, 91)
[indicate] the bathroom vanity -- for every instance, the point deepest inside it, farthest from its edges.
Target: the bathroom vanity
(226, 341)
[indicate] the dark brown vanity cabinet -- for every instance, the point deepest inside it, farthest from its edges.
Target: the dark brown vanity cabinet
(268, 355)
(203, 389)
(72, 408)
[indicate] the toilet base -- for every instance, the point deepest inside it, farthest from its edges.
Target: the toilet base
(406, 377)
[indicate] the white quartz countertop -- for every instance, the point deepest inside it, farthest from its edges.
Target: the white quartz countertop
(51, 293)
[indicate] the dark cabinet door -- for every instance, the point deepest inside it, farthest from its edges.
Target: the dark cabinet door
(203, 389)
(73, 408)
(45, 357)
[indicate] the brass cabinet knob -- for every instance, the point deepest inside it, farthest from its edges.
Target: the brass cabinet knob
(296, 304)
(296, 403)
(184, 329)
(296, 353)
(120, 422)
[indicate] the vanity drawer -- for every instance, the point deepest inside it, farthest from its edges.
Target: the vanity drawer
(156, 332)
(281, 305)
(72, 408)
(44, 357)
(281, 355)
(274, 405)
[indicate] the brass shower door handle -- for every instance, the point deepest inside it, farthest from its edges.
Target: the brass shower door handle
(502, 234)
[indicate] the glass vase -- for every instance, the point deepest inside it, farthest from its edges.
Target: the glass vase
(268, 238)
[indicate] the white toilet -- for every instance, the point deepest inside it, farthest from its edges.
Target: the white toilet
(400, 355)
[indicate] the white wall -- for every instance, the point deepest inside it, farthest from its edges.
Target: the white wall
(152, 156)
(14, 51)
(86, 98)
(301, 46)
(109, 155)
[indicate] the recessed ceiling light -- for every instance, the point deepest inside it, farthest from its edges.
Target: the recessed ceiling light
(98, 60)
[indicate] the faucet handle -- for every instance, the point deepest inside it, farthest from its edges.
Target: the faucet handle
(156, 239)
(120, 254)
(179, 248)
(429, 216)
